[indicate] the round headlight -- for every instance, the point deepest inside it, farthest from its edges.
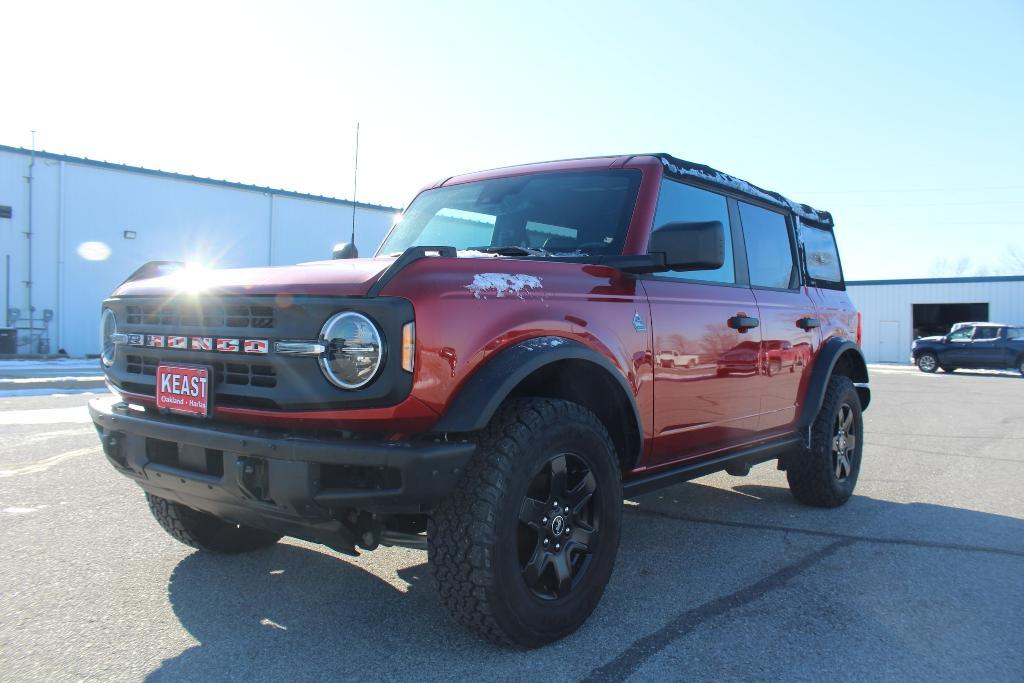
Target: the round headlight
(354, 350)
(108, 327)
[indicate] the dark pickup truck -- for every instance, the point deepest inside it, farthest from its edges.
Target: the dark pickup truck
(980, 345)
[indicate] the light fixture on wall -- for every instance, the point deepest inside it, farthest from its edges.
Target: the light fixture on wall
(130, 234)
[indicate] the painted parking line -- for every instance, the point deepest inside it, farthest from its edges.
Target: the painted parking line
(47, 463)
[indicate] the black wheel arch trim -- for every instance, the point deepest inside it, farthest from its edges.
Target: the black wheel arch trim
(479, 398)
(832, 352)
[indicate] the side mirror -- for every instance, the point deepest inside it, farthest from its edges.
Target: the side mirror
(345, 250)
(690, 246)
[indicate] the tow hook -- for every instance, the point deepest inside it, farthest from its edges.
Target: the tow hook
(253, 478)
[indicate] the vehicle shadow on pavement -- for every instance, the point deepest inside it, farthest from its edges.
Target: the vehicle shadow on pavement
(294, 612)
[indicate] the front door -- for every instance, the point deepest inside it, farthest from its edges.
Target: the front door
(705, 353)
(956, 352)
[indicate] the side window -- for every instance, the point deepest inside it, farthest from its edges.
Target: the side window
(1015, 332)
(963, 334)
(986, 332)
(821, 254)
(678, 203)
(769, 250)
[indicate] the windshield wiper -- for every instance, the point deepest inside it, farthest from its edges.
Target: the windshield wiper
(511, 250)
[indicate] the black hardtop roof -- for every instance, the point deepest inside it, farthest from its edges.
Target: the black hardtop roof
(689, 170)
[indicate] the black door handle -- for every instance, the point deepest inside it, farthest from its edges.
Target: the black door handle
(808, 323)
(743, 323)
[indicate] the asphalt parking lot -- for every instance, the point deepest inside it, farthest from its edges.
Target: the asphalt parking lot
(919, 576)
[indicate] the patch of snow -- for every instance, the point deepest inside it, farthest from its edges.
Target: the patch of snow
(12, 393)
(710, 175)
(541, 343)
(22, 511)
(64, 378)
(50, 364)
(501, 285)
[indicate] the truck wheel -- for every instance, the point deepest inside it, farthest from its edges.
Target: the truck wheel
(825, 474)
(927, 362)
(1020, 365)
(523, 548)
(206, 532)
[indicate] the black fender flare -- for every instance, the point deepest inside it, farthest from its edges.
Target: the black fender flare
(832, 351)
(479, 398)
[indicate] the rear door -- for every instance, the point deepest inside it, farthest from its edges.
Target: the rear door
(987, 347)
(790, 331)
(711, 401)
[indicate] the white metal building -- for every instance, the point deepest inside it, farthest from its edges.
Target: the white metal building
(80, 227)
(895, 312)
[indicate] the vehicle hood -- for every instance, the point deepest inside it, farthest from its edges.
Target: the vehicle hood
(929, 339)
(348, 277)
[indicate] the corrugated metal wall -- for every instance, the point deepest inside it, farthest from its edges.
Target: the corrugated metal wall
(172, 219)
(887, 309)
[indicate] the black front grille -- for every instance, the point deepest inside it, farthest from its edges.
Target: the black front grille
(263, 381)
(239, 373)
(207, 315)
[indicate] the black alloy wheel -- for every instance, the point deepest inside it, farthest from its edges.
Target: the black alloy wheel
(844, 443)
(559, 524)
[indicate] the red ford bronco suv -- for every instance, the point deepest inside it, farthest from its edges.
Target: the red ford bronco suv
(494, 381)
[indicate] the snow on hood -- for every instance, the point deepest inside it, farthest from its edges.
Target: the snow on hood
(707, 174)
(501, 285)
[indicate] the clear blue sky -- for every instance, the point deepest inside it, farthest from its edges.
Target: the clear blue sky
(906, 120)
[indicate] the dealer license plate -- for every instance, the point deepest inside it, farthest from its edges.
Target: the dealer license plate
(183, 389)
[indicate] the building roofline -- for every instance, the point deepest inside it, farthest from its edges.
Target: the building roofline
(192, 178)
(938, 280)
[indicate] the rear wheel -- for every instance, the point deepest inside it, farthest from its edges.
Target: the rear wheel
(927, 362)
(825, 474)
(206, 532)
(523, 548)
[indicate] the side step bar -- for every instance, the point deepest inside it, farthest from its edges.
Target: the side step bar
(752, 455)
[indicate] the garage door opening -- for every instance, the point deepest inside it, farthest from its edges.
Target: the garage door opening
(936, 319)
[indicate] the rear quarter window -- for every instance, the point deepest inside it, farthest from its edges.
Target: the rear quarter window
(821, 256)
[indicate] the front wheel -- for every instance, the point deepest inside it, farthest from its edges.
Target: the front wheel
(825, 474)
(927, 362)
(522, 550)
(206, 532)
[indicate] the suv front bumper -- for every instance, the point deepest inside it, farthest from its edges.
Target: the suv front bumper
(290, 484)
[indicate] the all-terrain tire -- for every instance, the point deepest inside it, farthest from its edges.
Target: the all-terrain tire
(206, 532)
(928, 362)
(812, 474)
(472, 536)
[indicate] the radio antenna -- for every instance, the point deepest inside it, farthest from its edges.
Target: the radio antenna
(355, 187)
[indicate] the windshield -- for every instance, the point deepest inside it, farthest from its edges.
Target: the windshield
(545, 214)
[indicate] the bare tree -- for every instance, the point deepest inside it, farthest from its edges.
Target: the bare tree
(1013, 261)
(944, 267)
